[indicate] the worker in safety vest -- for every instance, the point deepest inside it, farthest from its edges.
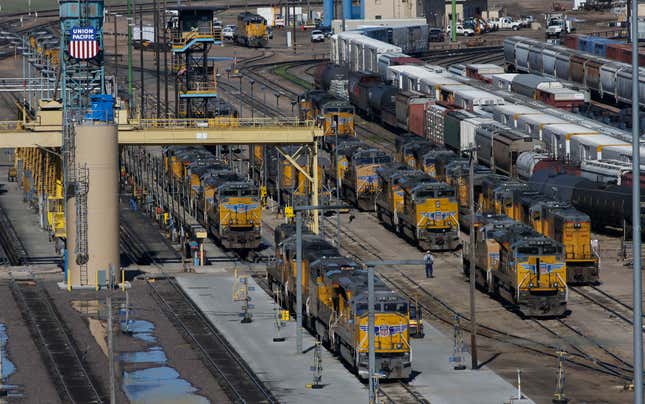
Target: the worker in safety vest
(428, 259)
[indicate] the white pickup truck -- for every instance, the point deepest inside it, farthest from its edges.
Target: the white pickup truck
(507, 23)
(461, 30)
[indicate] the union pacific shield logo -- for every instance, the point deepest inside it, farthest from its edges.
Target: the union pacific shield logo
(83, 43)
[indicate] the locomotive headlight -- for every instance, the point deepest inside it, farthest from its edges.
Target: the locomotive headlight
(399, 346)
(555, 284)
(531, 285)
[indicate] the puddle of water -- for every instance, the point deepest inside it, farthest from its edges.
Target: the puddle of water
(140, 329)
(87, 307)
(8, 368)
(97, 329)
(153, 355)
(159, 385)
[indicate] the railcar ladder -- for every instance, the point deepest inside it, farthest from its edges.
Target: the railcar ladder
(82, 188)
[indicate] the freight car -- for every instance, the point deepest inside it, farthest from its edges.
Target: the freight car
(606, 79)
(608, 205)
(335, 291)
(226, 204)
(499, 147)
(519, 265)
(418, 207)
(251, 30)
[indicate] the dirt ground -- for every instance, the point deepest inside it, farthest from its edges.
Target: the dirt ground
(85, 315)
(31, 376)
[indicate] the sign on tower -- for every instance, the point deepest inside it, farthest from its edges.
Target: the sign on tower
(83, 43)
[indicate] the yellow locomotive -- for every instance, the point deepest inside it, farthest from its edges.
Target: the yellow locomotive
(573, 229)
(521, 266)
(335, 116)
(557, 220)
(251, 30)
(335, 304)
(418, 207)
(233, 210)
(225, 203)
(356, 166)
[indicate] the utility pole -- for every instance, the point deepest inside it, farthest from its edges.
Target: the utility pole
(453, 27)
(294, 25)
(143, 98)
(156, 38)
(371, 352)
(116, 52)
(110, 348)
(299, 282)
(473, 276)
(130, 22)
(636, 214)
(165, 61)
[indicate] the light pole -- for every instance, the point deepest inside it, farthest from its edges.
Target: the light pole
(264, 94)
(252, 82)
(473, 236)
(277, 99)
(370, 318)
(130, 24)
(636, 214)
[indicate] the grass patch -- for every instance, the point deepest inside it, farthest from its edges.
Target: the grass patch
(283, 71)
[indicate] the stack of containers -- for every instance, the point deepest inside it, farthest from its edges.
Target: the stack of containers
(434, 123)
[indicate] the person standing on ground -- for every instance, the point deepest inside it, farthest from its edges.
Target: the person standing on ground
(428, 259)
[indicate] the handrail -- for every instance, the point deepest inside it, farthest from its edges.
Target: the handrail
(11, 125)
(215, 123)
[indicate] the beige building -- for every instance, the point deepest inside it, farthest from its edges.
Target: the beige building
(390, 9)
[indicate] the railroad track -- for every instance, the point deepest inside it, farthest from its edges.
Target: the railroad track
(234, 375)
(60, 353)
(441, 311)
(400, 393)
(616, 307)
(14, 250)
(568, 333)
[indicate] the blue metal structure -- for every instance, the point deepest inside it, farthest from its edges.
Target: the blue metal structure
(193, 35)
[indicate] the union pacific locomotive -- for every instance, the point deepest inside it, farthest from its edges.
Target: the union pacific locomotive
(227, 204)
(335, 309)
(521, 266)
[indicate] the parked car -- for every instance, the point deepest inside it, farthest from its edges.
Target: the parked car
(228, 32)
(435, 35)
(317, 36)
(461, 30)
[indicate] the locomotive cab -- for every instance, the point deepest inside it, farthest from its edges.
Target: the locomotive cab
(391, 339)
(240, 214)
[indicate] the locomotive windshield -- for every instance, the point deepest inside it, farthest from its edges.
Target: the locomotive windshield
(396, 307)
(237, 192)
(528, 250)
